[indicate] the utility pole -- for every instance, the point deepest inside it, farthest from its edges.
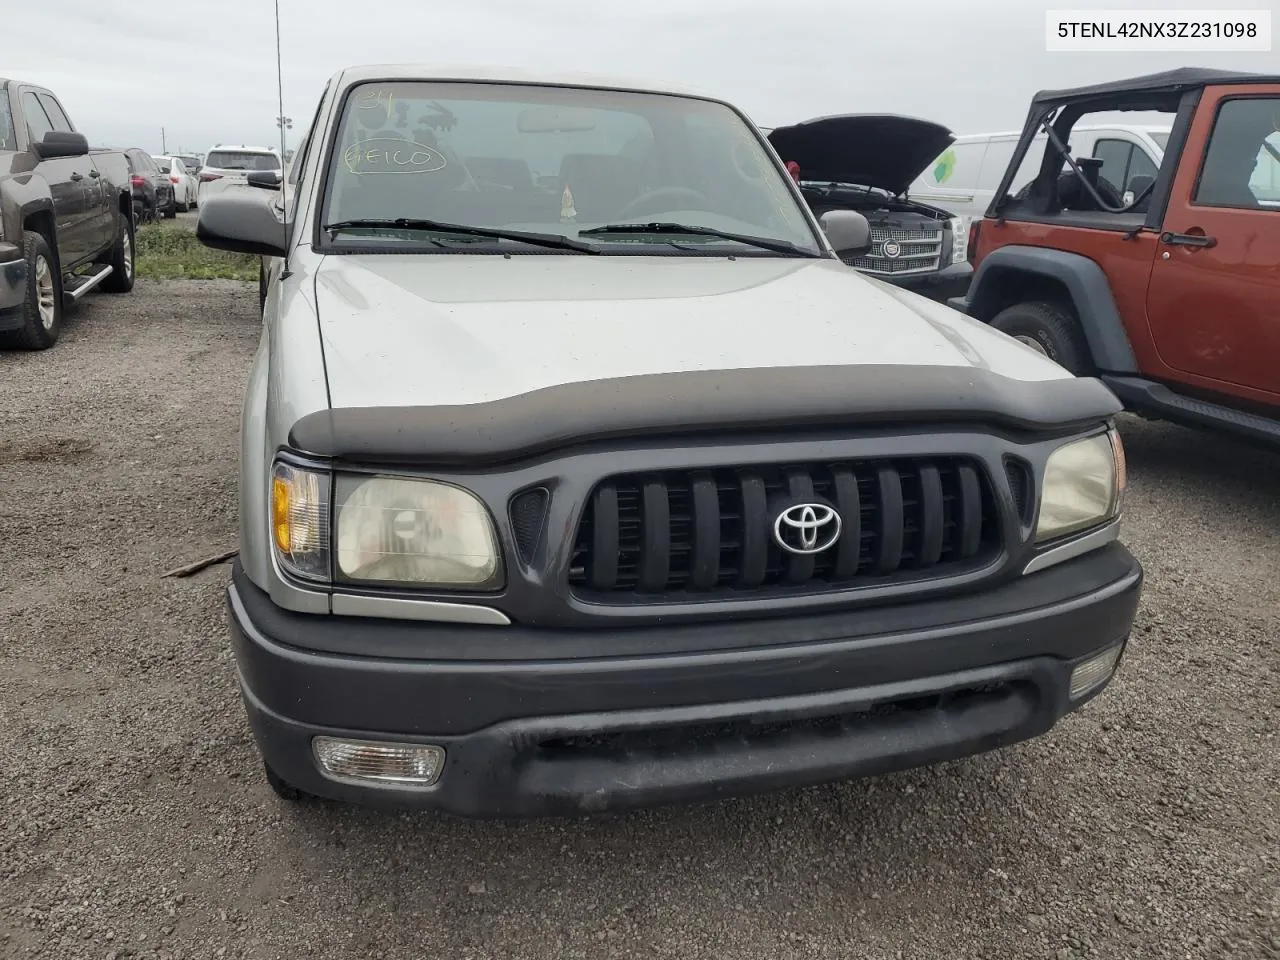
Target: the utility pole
(164, 147)
(283, 123)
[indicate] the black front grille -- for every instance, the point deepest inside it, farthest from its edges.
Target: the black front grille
(703, 532)
(528, 510)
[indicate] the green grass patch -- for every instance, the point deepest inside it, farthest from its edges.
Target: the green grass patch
(170, 251)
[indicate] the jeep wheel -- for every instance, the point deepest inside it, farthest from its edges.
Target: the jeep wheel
(1048, 329)
(42, 311)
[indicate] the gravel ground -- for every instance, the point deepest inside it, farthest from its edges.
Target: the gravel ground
(136, 822)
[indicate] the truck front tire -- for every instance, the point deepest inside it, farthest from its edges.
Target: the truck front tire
(1049, 329)
(42, 312)
(283, 788)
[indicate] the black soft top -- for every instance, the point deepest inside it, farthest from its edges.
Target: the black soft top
(1170, 81)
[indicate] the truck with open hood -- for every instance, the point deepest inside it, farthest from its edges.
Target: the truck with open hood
(867, 163)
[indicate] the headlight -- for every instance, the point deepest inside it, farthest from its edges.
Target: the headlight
(959, 240)
(1083, 486)
(392, 530)
(300, 520)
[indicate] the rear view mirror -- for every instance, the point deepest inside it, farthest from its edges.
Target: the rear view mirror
(242, 221)
(554, 120)
(59, 144)
(267, 179)
(847, 232)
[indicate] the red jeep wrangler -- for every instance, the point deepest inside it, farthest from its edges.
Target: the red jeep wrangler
(1166, 288)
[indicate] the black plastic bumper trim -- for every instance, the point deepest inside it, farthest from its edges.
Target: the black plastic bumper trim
(997, 680)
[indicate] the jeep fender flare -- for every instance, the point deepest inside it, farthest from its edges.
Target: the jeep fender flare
(1086, 285)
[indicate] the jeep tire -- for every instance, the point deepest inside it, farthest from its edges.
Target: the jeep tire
(1049, 328)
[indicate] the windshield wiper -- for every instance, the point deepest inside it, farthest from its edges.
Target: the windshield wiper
(554, 240)
(690, 230)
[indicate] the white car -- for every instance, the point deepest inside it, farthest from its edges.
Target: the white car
(229, 165)
(185, 185)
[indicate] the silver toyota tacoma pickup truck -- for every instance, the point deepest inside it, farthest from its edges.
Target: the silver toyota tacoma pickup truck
(579, 473)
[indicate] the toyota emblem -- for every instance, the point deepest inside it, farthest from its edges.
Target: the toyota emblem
(807, 528)
(891, 249)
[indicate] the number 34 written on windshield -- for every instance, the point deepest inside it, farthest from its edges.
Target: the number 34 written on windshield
(388, 155)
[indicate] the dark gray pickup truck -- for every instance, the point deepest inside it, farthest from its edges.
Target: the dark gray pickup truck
(66, 222)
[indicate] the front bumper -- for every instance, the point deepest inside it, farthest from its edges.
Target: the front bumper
(13, 286)
(941, 285)
(531, 730)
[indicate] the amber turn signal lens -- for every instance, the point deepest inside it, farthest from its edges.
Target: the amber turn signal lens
(300, 520)
(280, 513)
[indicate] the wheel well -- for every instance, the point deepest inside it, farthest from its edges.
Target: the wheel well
(1004, 286)
(42, 222)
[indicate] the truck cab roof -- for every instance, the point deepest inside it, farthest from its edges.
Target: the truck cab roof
(490, 74)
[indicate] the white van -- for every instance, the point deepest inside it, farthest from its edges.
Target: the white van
(963, 179)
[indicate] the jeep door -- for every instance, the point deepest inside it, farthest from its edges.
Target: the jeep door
(1213, 303)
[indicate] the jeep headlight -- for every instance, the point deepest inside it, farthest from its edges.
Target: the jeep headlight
(959, 240)
(1083, 486)
(415, 532)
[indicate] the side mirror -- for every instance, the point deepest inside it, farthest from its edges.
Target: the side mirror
(242, 221)
(1139, 184)
(57, 143)
(266, 179)
(847, 231)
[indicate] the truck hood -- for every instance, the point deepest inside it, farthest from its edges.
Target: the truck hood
(881, 150)
(425, 330)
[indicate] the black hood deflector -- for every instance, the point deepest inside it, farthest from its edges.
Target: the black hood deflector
(719, 404)
(881, 150)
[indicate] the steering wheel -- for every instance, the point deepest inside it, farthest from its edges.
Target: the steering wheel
(653, 201)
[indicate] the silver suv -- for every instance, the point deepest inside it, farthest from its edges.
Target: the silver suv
(578, 471)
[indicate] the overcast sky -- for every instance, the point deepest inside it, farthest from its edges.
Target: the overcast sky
(205, 70)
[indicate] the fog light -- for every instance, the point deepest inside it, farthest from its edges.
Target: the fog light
(1094, 672)
(407, 765)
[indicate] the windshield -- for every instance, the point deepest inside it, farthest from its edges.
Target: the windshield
(555, 160)
(241, 160)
